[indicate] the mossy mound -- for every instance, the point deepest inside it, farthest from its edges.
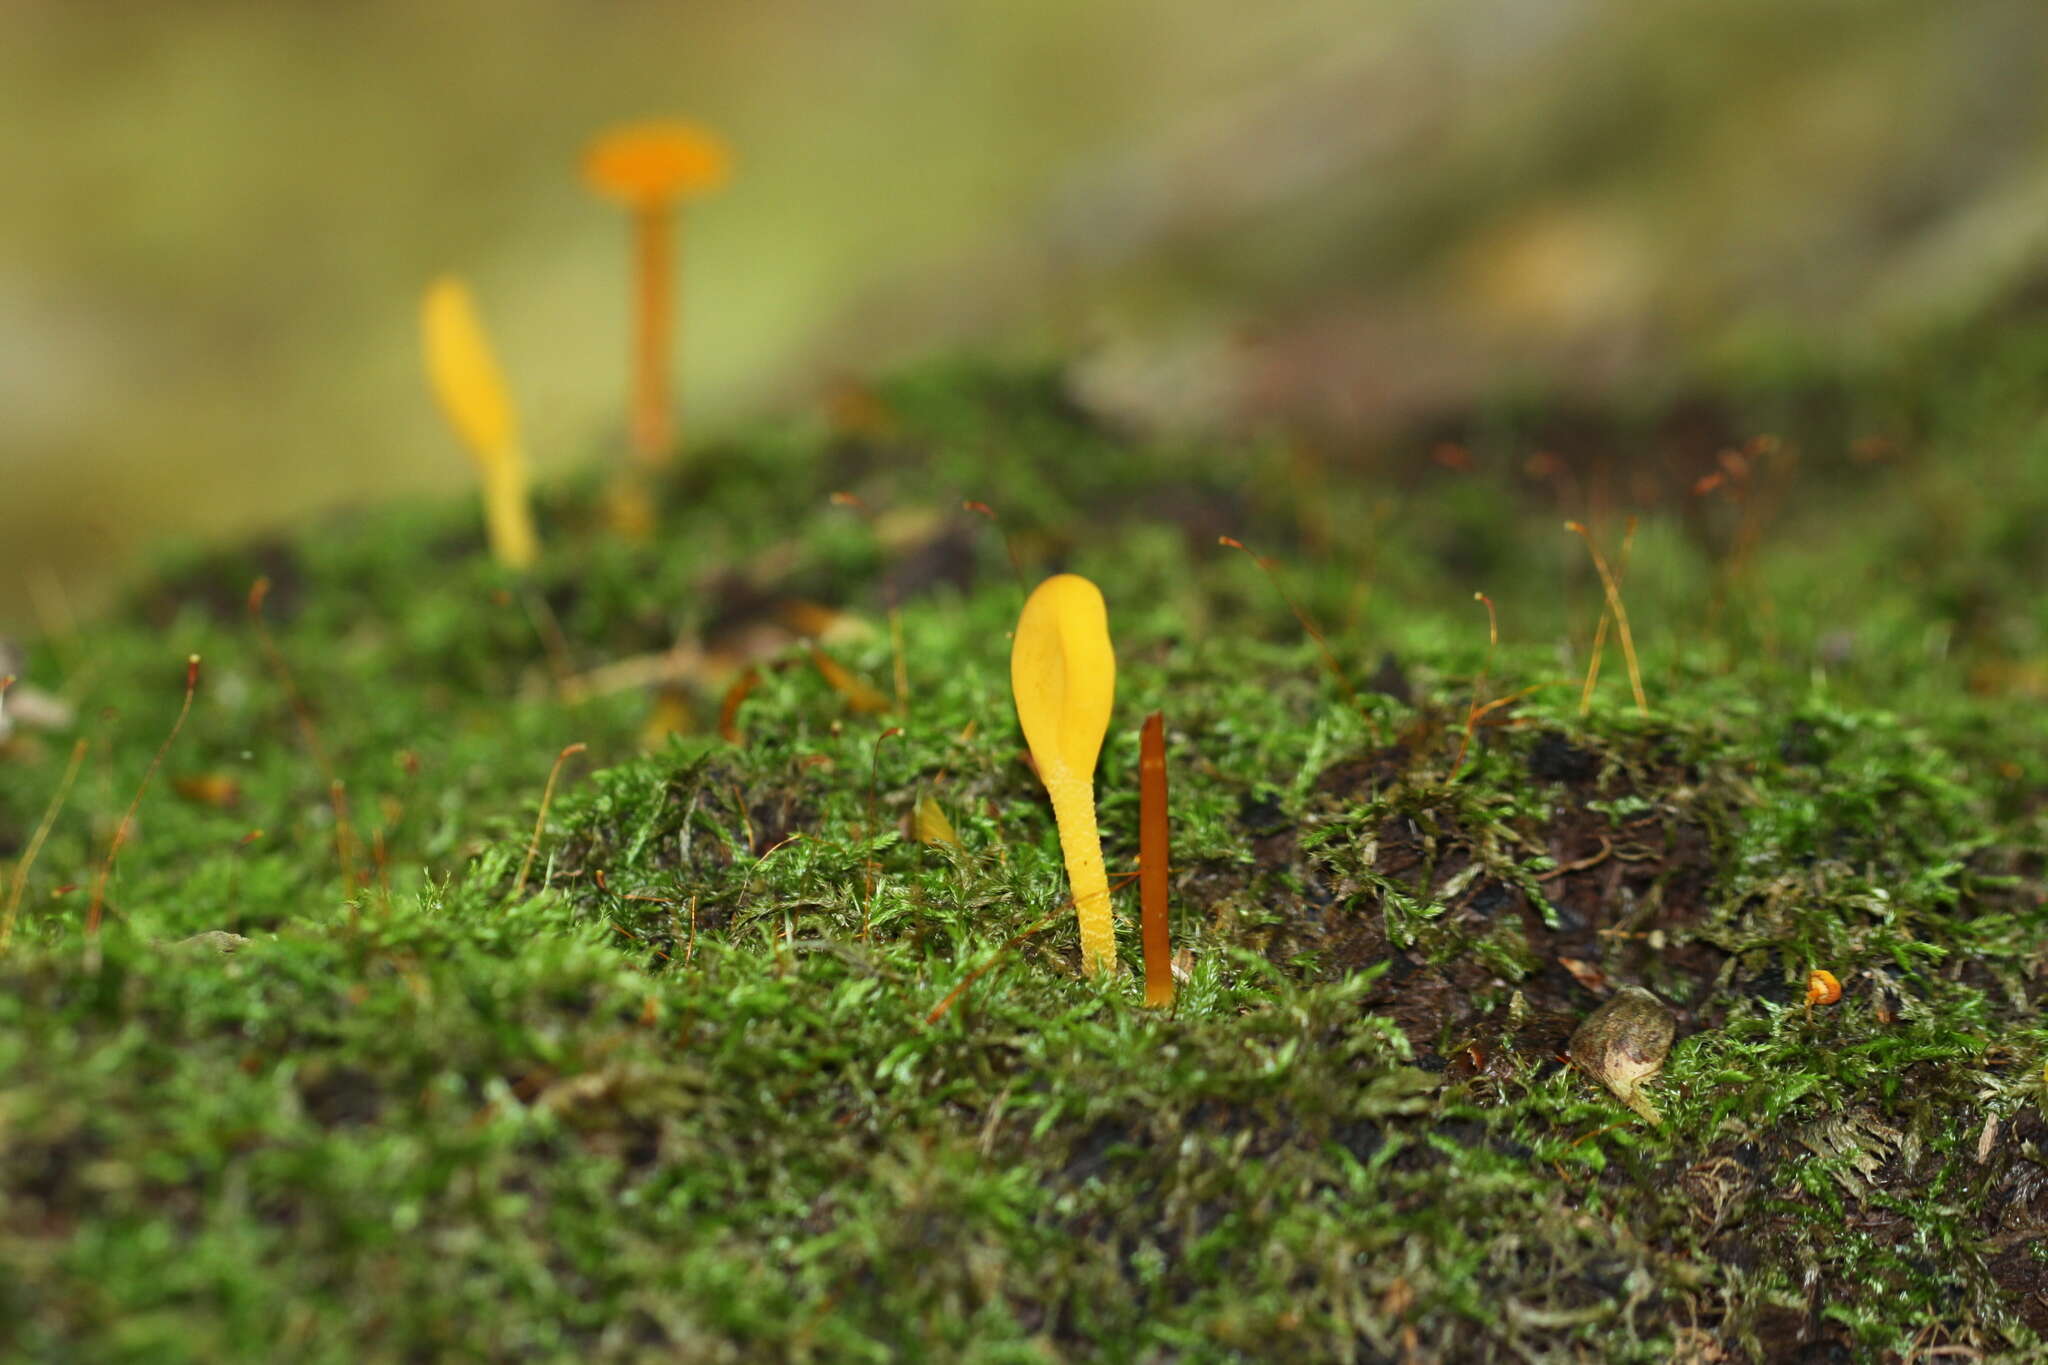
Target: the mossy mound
(727, 1063)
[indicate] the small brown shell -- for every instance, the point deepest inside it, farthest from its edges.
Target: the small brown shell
(1623, 1044)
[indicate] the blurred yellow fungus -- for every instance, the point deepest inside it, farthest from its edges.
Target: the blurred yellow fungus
(670, 714)
(1063, 674)
(471, 390)
(218, 790)
(860, 695)
(932, 825)
(651, 168)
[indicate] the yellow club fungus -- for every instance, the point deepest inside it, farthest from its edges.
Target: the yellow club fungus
(1063, 674)
(651, 168)
(471, 390)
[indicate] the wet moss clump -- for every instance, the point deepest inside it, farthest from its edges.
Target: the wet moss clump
(738, 1068)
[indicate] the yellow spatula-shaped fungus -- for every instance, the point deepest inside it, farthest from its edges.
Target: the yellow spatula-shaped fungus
(471, 390)
(1063, 673)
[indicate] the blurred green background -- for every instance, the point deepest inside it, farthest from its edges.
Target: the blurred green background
(1341, 216)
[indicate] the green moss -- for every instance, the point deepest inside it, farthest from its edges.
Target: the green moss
(744, 1072)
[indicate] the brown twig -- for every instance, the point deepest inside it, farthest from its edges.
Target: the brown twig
(1565, 869)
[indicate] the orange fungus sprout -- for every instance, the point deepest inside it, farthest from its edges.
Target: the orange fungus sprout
(651, 168)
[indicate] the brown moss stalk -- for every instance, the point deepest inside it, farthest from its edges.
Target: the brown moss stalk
(1153, 862)
(127, 825)
(1612, 587)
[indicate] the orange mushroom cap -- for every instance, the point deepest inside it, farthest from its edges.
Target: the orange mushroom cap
(1822, 987)
(656, 162)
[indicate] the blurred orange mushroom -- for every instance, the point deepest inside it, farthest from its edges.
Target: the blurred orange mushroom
(651, 168)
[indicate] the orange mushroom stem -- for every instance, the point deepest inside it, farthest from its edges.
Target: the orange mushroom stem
(1063, 675)
(650, 168)
(653, 405)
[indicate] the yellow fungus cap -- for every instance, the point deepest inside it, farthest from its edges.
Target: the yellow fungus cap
(1063, 673)
(656, 162)
(464, 374)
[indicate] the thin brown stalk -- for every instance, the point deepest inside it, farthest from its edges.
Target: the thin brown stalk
(547, 796)
(18, 885)
(1612, 587)
(982, 509)
(1628, 540)
(553, 641)
(1308, 623)
(1473, 712)
(938, 1011)
(1153, 864)
(99, 885)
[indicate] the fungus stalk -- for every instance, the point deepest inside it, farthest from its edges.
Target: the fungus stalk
(472, 393)
(1073, 810)
(653, 408)
(1063, 674)
(650, 169)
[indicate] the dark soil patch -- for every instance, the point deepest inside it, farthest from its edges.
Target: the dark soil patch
(1615, 908)
(2015, 1217)
(218, 585)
